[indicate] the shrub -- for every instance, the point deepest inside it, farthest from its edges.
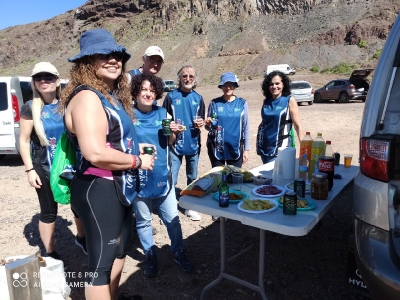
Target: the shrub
(341, 68)
(314, 69)
(362, 44)
(377, 54)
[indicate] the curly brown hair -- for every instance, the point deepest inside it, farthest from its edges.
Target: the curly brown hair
(156, 83)
(83, 72)
(268, 79)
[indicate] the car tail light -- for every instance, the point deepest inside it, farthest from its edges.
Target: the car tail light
(15, 107)
(352, 86)
(379, 157)
(312, 91)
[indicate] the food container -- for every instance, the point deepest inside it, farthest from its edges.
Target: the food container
(260, 180)
(319, 186)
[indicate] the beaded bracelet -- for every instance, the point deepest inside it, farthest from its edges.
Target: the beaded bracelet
(133, 162)
(27, 171)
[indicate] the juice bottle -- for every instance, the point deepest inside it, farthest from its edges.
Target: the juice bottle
(305, 146)
(318, 146)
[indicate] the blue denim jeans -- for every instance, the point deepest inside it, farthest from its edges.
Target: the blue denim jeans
(168, 209)
(192, 162)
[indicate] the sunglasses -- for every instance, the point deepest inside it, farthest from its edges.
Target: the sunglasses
(45, 77)
(229, 85)
(155, 60)
(118, 56)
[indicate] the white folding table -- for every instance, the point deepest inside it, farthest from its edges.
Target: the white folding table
(274, 221)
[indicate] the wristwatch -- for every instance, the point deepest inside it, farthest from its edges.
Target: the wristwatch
(138, 162)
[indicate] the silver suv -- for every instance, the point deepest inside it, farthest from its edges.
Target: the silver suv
(377, 185)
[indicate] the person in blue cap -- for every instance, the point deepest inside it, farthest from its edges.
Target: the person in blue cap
(99, 122)
(228, 139)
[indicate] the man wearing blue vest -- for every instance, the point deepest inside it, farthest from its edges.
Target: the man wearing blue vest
(153, 60)
(184, 104)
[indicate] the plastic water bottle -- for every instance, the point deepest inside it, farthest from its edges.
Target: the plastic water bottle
(306, 146)
(318, 146)
(303, 167)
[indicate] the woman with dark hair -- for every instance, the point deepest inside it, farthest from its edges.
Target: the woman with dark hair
(157, 188)
(278, 112)
(98, 118)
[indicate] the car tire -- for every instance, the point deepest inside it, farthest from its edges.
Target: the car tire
(343, 98)
(317, 98)
(310, 102)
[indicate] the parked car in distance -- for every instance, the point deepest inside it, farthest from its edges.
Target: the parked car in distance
(169, 85)
(342, 90)
(377, 184)
(302, 91)
(284, 68)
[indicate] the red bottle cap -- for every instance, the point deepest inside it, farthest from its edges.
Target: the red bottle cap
(328, 142)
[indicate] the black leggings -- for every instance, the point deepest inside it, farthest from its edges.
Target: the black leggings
(48, 207)
(107, 223)
(216, 163)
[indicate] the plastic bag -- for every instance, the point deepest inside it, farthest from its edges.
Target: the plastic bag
(52, 276)
(62, 170)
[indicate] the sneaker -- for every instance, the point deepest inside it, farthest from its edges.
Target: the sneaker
(193, 215)
(182, 260)
(151, 268)
(81, 242)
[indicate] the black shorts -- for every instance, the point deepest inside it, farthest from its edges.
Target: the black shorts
(107, 223)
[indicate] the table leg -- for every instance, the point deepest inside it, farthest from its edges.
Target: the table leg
(222, 224)
(261, 261)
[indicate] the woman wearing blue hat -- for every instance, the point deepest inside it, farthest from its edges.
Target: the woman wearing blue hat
(98, 117)
(227, 121)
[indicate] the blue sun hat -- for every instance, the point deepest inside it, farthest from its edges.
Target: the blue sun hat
(98, 41)
(228, 77)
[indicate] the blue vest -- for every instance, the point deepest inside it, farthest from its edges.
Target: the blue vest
(149, 130)
(122, 137)
(184, 107)
(273, 132)
(227, 138)
(53, 128)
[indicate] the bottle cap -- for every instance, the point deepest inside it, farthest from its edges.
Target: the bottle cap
(328, 142)
(307, 133)
(319, 134)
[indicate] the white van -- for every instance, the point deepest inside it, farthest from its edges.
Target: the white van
(284, 68)
(14, 92)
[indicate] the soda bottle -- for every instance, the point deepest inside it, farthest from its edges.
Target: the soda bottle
(326, 163)
(223, 192)
(214, 120)
(303, 167)
(306, 146)
(318, 145)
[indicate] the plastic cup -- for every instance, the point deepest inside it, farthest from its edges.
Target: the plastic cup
(347, 160)
(196, 120)
(237, 180)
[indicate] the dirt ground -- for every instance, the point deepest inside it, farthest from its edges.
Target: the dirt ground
(308, 267)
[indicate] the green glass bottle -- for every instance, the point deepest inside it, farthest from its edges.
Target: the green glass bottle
(214, 121)
(223, 192)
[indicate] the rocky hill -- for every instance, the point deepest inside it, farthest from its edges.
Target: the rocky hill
(242, 36)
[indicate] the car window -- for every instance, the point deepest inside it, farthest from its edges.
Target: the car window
(300, 85)
(330, 84)
(339, 83)
(26, 91)
(3, 96)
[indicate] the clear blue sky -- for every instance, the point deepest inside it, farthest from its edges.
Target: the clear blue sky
(19, 12)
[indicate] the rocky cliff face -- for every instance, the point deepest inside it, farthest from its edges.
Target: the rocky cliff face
(243, 36)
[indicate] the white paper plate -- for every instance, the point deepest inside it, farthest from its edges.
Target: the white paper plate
(283, 190)
(275, 203)
(290, 186)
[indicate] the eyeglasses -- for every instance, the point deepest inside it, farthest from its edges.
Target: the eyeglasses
(118, 56)
(155, 60)
(45, 77)
(186, 76)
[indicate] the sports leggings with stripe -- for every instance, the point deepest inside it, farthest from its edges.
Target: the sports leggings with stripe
(107, 223)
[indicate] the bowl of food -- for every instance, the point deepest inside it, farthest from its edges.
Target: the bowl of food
(261, 180)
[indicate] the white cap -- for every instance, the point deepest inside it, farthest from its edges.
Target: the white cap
(45, 67)
(154, 50)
